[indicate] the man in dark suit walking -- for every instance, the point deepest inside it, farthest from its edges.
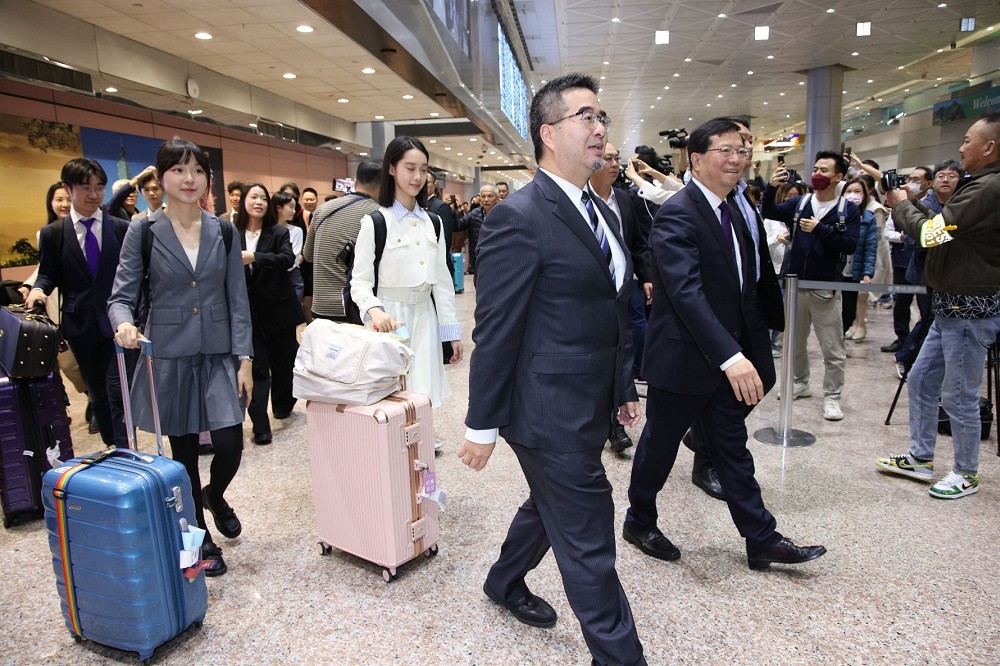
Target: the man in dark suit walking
(707, 350)
(79, 255)
(444, 211)
(552, 363)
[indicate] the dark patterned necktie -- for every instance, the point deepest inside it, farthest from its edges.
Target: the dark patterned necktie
(595, 226)
(727, 231)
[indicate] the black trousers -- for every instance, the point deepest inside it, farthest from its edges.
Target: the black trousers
(570, 509)
(274, 355)
(95, 355)
(721, 418)
(901, 305)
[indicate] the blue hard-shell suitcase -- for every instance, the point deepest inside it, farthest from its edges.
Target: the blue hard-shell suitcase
(114, 520)
(34, 437)
(457, 263)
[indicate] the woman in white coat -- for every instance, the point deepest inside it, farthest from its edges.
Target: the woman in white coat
(413, 287)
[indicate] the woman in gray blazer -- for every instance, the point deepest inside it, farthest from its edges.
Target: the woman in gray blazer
(199, 320)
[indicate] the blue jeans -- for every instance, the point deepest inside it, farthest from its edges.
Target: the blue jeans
(950, 369)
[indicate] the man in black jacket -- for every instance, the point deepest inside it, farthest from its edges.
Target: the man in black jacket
(825, 230)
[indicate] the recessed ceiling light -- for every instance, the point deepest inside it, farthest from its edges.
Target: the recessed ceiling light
(719, 96)
(616, 20)
(603, 77)
(749, 72)
(254, 125)
(460, 154)
(473, 139)
(732, 85)
(864, 29)
(363, 154)
(651, 106)
(906, 90)
(407, 96)
(939, 78)
(288, 75)
(802, 83)
(687, 59)
(830, 10)
(661, 37)
(368, 70)
(942, 5)
(788, 116)
(709, 104)
(659, 98)
(304, 28)
(433, 141)
(761, 33)
(770, 57)
(666, 87)
(880, 99)
(447, 147)
(468, 158)
(111, 89)
(605, 62)
(194, 112)
(379, 117)
(203, 35)
(722, 16)
(854, 53)
(343, 100)
(871, 80)
(940, 50)
(493, 152)
(781, 94)
(335, 147)
(434, 114)
(765, 103)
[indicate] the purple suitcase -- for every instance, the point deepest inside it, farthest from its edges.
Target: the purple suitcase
(34, 437)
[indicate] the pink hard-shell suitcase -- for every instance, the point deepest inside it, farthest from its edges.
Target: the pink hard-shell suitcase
(372, 467)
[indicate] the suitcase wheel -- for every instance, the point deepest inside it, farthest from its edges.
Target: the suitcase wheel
(78, 639)
(325, 548)
(389, 575)
(431, 552)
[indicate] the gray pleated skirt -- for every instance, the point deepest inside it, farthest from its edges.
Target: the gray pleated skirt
(195, 394)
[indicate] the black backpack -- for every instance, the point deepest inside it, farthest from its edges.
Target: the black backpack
(346, 257)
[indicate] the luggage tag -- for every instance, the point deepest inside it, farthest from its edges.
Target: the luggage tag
(402, 333)
(192, 539)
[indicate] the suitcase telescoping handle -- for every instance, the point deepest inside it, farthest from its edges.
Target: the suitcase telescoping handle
(146, 347)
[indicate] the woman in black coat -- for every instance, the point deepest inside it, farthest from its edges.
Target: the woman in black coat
(274, 308)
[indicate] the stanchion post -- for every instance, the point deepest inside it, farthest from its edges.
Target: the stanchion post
(784, 435)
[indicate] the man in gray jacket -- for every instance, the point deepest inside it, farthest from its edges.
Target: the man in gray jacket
(963, 269)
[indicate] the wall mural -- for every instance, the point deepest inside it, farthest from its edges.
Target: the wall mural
(32, 154)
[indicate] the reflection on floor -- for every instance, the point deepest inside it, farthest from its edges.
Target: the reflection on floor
(907, 580)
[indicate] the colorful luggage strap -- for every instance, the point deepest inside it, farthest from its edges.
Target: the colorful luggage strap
(62, 520)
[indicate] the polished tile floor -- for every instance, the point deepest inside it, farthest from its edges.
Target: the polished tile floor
(907, 580)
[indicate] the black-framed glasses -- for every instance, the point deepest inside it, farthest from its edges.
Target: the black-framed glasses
(729, 151)
(590, 119)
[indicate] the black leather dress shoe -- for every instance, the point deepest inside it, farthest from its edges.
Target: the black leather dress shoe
(708, 480)
(529, 609)
(783, 552)
(262, 438)
(619, 439)
(892, 347)
(652, 542)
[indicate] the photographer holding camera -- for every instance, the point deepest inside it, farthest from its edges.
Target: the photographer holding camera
(824, 230)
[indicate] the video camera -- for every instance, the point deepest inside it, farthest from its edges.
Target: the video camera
(677, 138)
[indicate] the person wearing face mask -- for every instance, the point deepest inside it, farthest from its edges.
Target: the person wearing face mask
(861, 266)
(824, 229)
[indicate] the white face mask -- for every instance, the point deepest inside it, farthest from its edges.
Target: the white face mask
(854, 198)
(914, 188)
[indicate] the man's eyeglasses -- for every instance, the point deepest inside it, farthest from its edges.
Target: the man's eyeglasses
(589, 118)
(729, 151)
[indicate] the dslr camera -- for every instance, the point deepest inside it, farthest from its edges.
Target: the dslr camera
(890, 180)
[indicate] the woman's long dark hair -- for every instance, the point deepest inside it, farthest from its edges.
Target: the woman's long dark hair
(243, 217)
(48, 201)
(393, 154)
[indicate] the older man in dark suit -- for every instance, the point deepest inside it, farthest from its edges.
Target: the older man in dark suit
(552, 363)
(79, 255)
(707, 350)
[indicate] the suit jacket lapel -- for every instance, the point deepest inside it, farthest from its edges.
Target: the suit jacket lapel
(567, 212)
(72, 245)
(715, 227)
(210, 235)
(745, 240)
(162, 229)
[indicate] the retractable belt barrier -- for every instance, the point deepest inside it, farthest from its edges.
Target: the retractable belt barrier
(784, 435)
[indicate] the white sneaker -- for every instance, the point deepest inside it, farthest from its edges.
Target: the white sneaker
(860, 332)
(955, 485)
(849, 333)
(831, 409)
(799, 391)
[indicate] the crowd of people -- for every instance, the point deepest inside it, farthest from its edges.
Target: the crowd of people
(676, 277)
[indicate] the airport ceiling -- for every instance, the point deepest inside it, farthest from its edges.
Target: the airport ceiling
(712, 64)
